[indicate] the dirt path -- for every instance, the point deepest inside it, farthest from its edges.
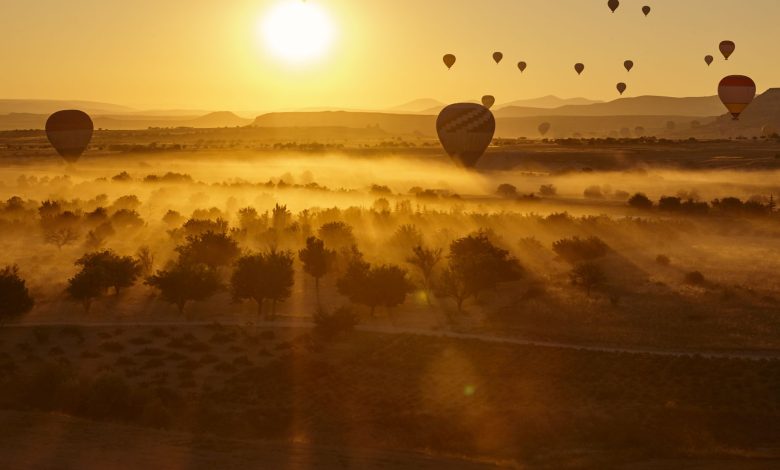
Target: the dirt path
(714, 354)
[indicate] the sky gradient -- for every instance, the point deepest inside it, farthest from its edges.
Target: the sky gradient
(206, 54)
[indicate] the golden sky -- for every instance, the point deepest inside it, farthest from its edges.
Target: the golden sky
(210, 54)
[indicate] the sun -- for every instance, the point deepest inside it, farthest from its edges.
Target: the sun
(297, 31)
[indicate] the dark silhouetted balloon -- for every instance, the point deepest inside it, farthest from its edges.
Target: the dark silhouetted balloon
(646, 10)
(522, 66)
(621, 87)
(544, 128)
(465, 131)
(488, 101)
(736, 92)
(613, 5)
(449, 60)
(579, 68)
(629, 64)
(727, 48)
(708, 59)
(497, 56)
(69, 132)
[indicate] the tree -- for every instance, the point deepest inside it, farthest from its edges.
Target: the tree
(548, 190)
(61, 236)
(425, 260)
(117, 272)
(15, 299)
(145, 258)
(475, 265)
(182, 282)
(406, 237)
(506, 190)
(640, 201)
(86, 286)
(280, 276)
(317, 261)
(587, 276)
(214, 249)
(385, 285)
(336, 234)
(265, 276)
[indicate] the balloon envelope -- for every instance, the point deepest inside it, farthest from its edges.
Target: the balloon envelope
(544, 128)
(497, 56)
(465, 131)
(646, 10)
(708, 59)
(449, 60)
(69, 132)
(579, 68)
(488, 101)
(727, 48)
(621, 87)
(613, 5)
(522, 66)
(629, 64)
(736, 92)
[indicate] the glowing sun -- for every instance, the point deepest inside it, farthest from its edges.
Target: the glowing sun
(297, 31)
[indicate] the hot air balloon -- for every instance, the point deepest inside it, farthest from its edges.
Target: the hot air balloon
(488, 101)
(69, 132)
(579, 68)
(544, 128)
(646, 10)
(449, 60)
(621, 87)
(708, 59)
(522, 66)
(629, 64)
(727, 48)
(737, 92)
(613, 5)
(465, 131)
(497, 56)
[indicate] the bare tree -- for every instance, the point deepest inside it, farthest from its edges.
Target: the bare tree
(61, 237)
(425, 260)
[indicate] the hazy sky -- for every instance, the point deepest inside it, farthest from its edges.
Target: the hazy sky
(207, 53)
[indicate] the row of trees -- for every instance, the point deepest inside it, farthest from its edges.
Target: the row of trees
(727, 205)
(212, 261)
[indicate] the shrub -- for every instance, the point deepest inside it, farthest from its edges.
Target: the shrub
(15, 299)
(575, 250)
(640, 201)
(663, 260)
(695, 278)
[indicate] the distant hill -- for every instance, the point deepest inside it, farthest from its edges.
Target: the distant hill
(548, 102)
(417, 106)
(637, 106)
(129, 121)
(764, 111)
(48, 107)
(388, 122)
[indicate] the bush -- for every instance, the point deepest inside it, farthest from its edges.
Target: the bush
(15, 299)
(695, 278)
(575, 250)
(663, 260)
(640, 201)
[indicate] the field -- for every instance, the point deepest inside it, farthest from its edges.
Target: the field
(609, 332)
